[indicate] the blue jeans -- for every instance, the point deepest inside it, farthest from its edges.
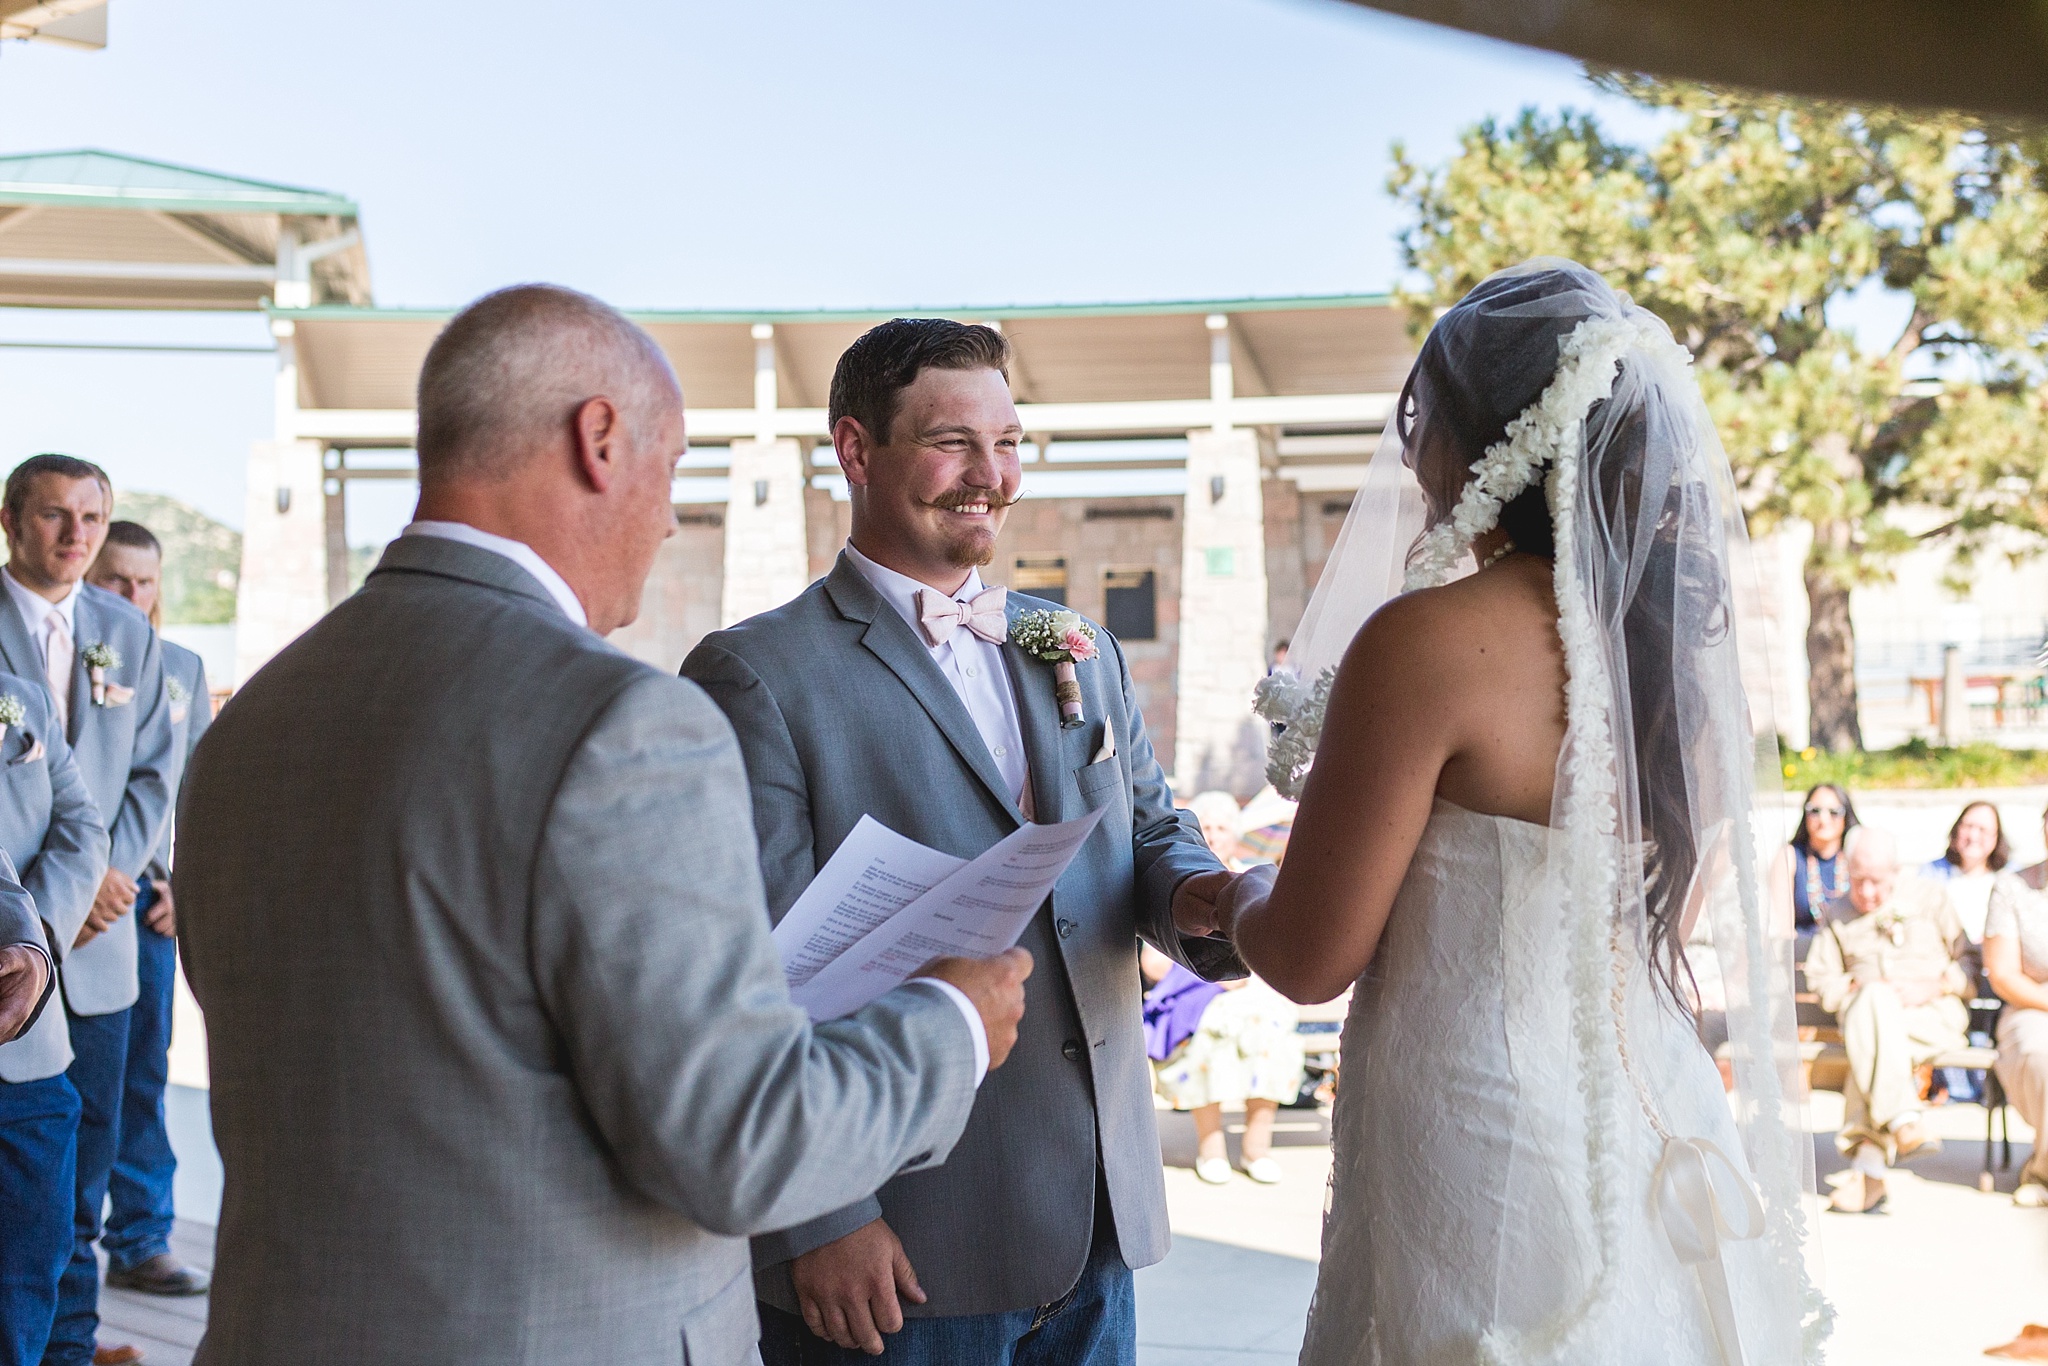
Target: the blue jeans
(1094, 1324)
(100, 1043)
(140, 1226)
(38, 1190)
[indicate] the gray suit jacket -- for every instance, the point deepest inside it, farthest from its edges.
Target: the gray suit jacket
(18, 925)
(50, 829)
(191, 709)
(841, 712)
(124, 753)
(503, 1064)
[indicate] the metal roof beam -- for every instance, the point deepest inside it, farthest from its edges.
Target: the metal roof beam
(1172, 416)
(135, 270)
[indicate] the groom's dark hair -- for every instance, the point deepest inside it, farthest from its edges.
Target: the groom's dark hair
(873, 373)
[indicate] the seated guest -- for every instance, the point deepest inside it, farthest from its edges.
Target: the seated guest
(1222, 822)
(1977, 850)
(1217, 1044)
(2016, 961)
(1890, 960)
(1810, 873)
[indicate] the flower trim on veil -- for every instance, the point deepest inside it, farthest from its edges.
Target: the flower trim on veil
(1546, 434)
(1587, 361)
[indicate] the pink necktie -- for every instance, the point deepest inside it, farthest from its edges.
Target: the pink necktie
(58, 657)
(983, 614)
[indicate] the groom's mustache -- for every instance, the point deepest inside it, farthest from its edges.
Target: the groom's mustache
(960, 498)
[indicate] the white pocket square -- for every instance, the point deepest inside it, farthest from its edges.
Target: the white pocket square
(1108, 750)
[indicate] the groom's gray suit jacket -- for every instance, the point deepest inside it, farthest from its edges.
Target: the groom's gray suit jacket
(503, 1064)
(841, 712)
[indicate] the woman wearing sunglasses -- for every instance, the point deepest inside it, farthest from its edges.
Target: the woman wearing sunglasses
(1812, 872)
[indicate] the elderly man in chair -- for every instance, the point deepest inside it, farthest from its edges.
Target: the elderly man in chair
(1892, 963)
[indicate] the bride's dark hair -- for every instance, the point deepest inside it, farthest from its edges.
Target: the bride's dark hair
(1643, 528)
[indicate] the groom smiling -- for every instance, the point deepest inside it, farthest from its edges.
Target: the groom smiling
(890, 687)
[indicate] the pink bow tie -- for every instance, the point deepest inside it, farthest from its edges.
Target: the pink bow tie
(940, 615)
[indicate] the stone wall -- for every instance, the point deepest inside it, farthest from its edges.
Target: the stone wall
(1095, 537)
(1301, 530)
(680, 604)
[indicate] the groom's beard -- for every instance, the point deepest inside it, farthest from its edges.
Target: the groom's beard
(972, 547)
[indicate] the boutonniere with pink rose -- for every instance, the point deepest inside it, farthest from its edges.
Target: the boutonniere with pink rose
(1061, 639)
(13, 714)
(99, 658)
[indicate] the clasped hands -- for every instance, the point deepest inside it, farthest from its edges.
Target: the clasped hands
(1209, 904)
(115, 898)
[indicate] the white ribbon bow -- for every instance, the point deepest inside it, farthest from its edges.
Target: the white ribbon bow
(1689, 1201)
(983, 614)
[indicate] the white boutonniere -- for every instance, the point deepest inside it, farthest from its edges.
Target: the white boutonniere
(12, 713)
(99, 657)
(181, 699)
(1061, 639)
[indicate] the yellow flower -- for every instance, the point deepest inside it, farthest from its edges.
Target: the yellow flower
(1790, 770)
(1809, 753)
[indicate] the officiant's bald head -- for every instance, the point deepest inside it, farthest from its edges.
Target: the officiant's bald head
(508, 373)
(547, 417)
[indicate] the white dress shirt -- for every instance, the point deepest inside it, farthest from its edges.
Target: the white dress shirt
(979, 674)
(519, 552)
(975, 667)
(34, 608)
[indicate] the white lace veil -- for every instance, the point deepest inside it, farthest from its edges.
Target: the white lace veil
(1667, 790)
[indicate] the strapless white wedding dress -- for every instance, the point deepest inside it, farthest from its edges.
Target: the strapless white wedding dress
(1459, 1210)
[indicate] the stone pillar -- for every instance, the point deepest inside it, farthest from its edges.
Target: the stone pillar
(335, 491)
(1218, 742)
(283, 586)
(1955, 698)
(766, 559)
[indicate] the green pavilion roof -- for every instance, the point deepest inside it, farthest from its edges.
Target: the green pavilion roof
(88, 178)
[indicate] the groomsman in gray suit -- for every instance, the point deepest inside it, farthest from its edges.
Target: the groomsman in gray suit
(105, 676)
(138, 1233)
(504, 1068)
(889, 688)
(27, 979)
(50, 830)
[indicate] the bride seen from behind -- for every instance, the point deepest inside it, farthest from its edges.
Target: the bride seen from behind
(1527, 782)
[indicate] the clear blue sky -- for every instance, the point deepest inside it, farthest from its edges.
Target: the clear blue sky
(782, 153)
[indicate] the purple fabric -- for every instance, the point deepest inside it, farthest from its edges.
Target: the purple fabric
(1173, 1010)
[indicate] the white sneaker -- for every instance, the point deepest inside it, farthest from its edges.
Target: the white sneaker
(1214, 1170)
(2032, 1195)
(1265, 1171)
